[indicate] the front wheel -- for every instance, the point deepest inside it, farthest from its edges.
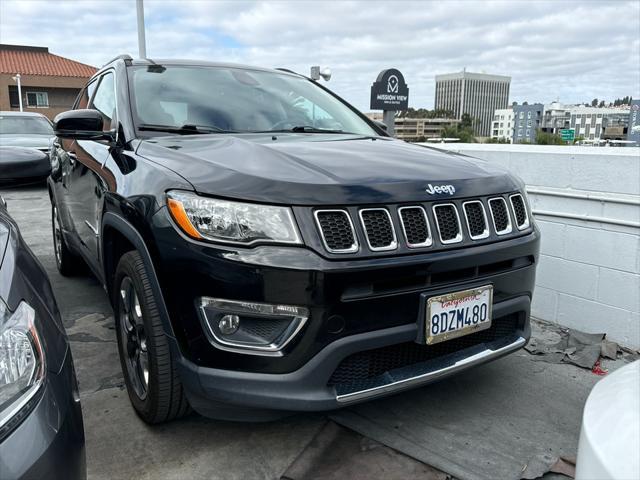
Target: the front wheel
(152, 381)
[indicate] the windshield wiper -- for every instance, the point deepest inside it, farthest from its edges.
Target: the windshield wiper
(308, 129)
(186, 129)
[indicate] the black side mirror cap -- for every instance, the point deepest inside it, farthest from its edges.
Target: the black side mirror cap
(85, 124)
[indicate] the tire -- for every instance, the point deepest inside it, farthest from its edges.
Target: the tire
(68, 263)
(149, 371)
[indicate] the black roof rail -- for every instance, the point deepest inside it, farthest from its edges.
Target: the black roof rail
(289, 71)
(119, 57)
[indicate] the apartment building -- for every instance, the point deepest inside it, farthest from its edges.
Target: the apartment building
(527, 120)
(49, 83)
(502, 125)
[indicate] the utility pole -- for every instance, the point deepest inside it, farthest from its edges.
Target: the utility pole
(17, 80)
(142, 44)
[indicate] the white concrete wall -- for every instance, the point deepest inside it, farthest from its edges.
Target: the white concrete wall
(589, 271)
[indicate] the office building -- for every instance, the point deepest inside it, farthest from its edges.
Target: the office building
(476, 94)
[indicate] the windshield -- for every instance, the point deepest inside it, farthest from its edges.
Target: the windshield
(225, 99)
(12, 125)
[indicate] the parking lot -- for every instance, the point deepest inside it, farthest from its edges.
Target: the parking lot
(496, 419)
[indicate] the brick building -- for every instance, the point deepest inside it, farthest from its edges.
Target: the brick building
(50, 83)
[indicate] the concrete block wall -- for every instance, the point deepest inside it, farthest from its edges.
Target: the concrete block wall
(586, 201)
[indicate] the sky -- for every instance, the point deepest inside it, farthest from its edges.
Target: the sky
(571, 51)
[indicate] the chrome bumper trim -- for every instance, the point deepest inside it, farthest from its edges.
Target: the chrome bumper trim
(460, 365)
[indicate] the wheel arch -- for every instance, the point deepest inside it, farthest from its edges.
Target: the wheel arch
(118, 237)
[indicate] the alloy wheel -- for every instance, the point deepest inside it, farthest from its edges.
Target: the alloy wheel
(134, 339)
(57, 237)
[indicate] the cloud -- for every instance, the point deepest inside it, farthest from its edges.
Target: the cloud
(574, 51)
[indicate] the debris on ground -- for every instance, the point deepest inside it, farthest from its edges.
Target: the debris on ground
(540, 465)
(599, 370)
(560, 345)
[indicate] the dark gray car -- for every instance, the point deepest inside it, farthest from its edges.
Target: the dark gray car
(25, 140)
(41, 429)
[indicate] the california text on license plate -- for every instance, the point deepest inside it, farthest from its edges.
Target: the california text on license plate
(457, 314)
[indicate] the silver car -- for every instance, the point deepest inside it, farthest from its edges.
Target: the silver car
(25, 129)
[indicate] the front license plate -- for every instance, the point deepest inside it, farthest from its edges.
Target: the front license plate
(456, 314)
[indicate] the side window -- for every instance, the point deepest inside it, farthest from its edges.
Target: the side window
(104, 101)
(85, 96)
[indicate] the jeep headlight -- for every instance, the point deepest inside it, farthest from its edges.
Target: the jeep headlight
(235, 222)
(22, 363)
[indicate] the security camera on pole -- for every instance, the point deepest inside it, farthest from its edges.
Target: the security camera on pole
(317, 73)
(389, 93)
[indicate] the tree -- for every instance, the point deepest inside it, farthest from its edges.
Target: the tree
(547, 138)
(424, 113)
(464, 131)
(601, 105)
(497, 140)
(594, 102)
(466, 121)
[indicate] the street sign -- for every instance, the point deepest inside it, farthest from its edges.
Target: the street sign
(568, 134)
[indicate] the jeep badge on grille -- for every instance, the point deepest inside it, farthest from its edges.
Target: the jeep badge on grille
(434, 189)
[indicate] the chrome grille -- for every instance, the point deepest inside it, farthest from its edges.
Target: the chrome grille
(415, 226)
(448, 223)
(520, 211)
(336, 231)
(378, 229)
(476, 219)
(500, 215)
(423, 225)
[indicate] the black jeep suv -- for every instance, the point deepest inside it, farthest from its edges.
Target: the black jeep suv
(269, 249)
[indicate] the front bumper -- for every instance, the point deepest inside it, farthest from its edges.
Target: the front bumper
(355, 305)
(49, 443)
(22, 172)
(308, 388)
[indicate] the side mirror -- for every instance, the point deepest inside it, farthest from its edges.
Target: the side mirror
(381, 125)
(3, 203)
(80, 125)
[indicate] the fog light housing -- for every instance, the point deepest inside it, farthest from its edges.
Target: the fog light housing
(229, 324)
(251, 327)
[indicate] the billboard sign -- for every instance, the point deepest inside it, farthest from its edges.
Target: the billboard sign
(390, 92)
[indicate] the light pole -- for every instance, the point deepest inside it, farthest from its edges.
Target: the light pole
(17, 80)
(142, 44)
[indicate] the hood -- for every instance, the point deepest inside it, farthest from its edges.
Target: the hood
(312, 169)
(41, 142)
